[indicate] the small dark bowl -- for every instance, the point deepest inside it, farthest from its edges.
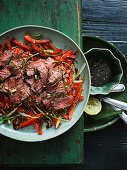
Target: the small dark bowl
(116, 72)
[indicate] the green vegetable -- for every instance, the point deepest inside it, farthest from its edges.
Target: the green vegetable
(13, 111)
(102, 116)
(42, 112)
(9, 60)
(8, 118)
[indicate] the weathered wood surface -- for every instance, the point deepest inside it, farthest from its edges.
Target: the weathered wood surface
(107, 148)
(65, 16)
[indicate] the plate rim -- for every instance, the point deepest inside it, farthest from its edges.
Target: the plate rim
(38, 138)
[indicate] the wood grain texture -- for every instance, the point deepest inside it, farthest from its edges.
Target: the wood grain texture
(106, 19)
(65, 16)
(62, 15)
(107, 148)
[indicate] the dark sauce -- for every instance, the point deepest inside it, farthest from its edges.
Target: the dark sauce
(100, 72)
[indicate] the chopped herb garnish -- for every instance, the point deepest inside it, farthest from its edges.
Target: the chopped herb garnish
(9, 60)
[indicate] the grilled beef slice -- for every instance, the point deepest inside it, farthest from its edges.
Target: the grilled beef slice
(4, 74)
(49, 62)
(37, 67)
(4, 57)
(22, 92)
(55, 74)
(62, 102)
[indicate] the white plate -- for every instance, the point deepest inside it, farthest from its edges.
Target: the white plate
(60, 40)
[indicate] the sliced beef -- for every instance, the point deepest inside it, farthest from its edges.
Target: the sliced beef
(30, 71)
(29, 81)
(4, 74)
(47, 102)
(37, 67)
(59, 87)
(22, 92)
(15, 66)
(4, 87)
(4, 57)
(49, 62)
(56, 73)
(38, 86)
(40, 78)
(39, 98)
(62, 102)
(12, 83)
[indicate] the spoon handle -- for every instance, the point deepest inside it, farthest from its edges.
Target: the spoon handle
(122, 115)
(118, 88)
(116, 103)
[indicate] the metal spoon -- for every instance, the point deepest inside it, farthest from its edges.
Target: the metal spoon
(120, 88)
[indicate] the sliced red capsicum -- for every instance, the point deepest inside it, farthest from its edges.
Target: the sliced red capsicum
(76, 99)
(66, 54)
(22, 45)
(3, 45)
(78, 84)
(38, 49)
(38, 126)
(30, 121)
(51, 45)
(57, 51)
(34, 41)
(71, 78)
(8, 43)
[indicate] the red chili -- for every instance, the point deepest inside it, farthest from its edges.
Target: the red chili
(17, 51)
(38, 126)
(7, 105)
(65, 116)
(3, 45)
(22, 45)
(38, 49)
(70, 92)
(51, 45)
(69, 63)
(2, 104)
(58, 58)
(76, 99)
(46, 46)
(78, 84)
(26, 54)
(81, 98)
(73, 56)
(8, 43)
(57, 51)
(29, 121)
(35, 58)
(71, 78)
(66, 54)
(32, 40)
(68, 70)
(55, 122)
(20, 110)
(30, 113)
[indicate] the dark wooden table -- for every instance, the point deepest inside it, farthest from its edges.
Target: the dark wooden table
(66, 149)
(107, 148)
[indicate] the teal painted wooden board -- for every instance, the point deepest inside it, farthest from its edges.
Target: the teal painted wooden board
(62, 15)
(65, 16)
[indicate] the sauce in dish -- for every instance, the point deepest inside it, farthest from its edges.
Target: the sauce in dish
(100, 72)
